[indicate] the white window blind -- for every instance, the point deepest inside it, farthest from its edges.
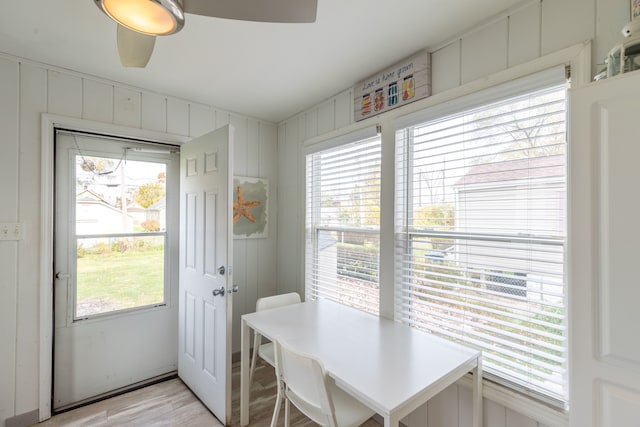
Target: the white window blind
(481, 235)
(343, 224)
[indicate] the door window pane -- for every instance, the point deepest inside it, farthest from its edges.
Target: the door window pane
(119, 273)
(120, 223)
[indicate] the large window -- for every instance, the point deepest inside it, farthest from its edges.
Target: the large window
(481, 234)
(343, 224)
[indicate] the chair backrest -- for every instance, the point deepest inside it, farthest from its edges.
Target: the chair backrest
(275, 301)
(304, 383)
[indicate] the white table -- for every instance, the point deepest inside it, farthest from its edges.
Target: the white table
(390, 367)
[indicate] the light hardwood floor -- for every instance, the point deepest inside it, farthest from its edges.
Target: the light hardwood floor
(171, 403)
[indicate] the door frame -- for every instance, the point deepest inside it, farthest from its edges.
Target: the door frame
(48, 124)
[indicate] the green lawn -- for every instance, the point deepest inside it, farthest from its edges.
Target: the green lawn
(118, 280)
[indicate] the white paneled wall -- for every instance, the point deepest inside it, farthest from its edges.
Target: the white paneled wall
(507, 44)
(26, 91)
(9, 251)
(255, 259)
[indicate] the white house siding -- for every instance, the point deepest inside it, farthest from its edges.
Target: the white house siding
(29, 89)
(503, 208)
(509, 42)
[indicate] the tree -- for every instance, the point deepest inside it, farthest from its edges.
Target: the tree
(437, 217)
(149, 193)
(531, 126)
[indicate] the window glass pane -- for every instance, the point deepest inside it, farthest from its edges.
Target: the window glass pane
(346, 269)
(119, 273)
(481, 235)
(120, 216)
(103, 183)
(343, 224)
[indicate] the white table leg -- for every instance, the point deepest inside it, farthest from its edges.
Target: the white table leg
(391, 421)
(245, 335)
(477, 394)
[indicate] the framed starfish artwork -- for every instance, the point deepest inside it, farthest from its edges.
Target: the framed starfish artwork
(250, 202)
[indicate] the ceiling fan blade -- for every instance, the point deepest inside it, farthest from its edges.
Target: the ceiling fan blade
(134, 48)
(286, 11)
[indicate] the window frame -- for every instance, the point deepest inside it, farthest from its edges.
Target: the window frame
(313, 225)
(138, 151)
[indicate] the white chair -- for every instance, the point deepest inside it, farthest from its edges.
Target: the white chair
(265, 351)
(302, 381)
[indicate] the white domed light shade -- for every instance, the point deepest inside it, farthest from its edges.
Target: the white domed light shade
(155, 17)
(134, 48)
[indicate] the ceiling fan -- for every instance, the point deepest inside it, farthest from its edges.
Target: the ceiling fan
(140, 21)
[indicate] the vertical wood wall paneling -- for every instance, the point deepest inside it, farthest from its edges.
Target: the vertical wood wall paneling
(484, 52)
(567, 22)
(9, 79)
(9, 83)
(240, 153)
(97, 101)
(64, 94)
(524, 35)
(290, 207)
(494, 415)
(126, 107)
(417, 417)
(296, 158)
(201, 120)
(465, 406)
(222, 118)
(154, 112)
(268, 157)
(33, 101)
(343, 109)
(311, 123)
(253, 246)
(326, 116)
(445, 68)
(283, 174)
(514, 419)
(177, 117)
(443, 408)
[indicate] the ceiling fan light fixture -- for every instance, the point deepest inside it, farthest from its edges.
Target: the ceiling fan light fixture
(155, 17)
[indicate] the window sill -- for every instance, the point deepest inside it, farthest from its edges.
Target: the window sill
(524, 405)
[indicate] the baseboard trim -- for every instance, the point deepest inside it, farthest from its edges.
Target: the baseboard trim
(23, 420)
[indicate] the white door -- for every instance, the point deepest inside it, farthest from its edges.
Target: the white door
(604, 235)
(206, 254)
(116, 293)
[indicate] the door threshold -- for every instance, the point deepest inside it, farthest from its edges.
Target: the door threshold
(122, 390)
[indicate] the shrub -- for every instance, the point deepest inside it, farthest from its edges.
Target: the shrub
(151, 225)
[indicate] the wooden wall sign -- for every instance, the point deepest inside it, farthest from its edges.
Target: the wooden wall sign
(400, 84)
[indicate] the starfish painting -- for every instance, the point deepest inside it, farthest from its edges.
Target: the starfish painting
(242, 206)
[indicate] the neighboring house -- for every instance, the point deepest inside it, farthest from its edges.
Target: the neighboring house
(137, 213)
(95, 216)
(524, 194)
(157, 212)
